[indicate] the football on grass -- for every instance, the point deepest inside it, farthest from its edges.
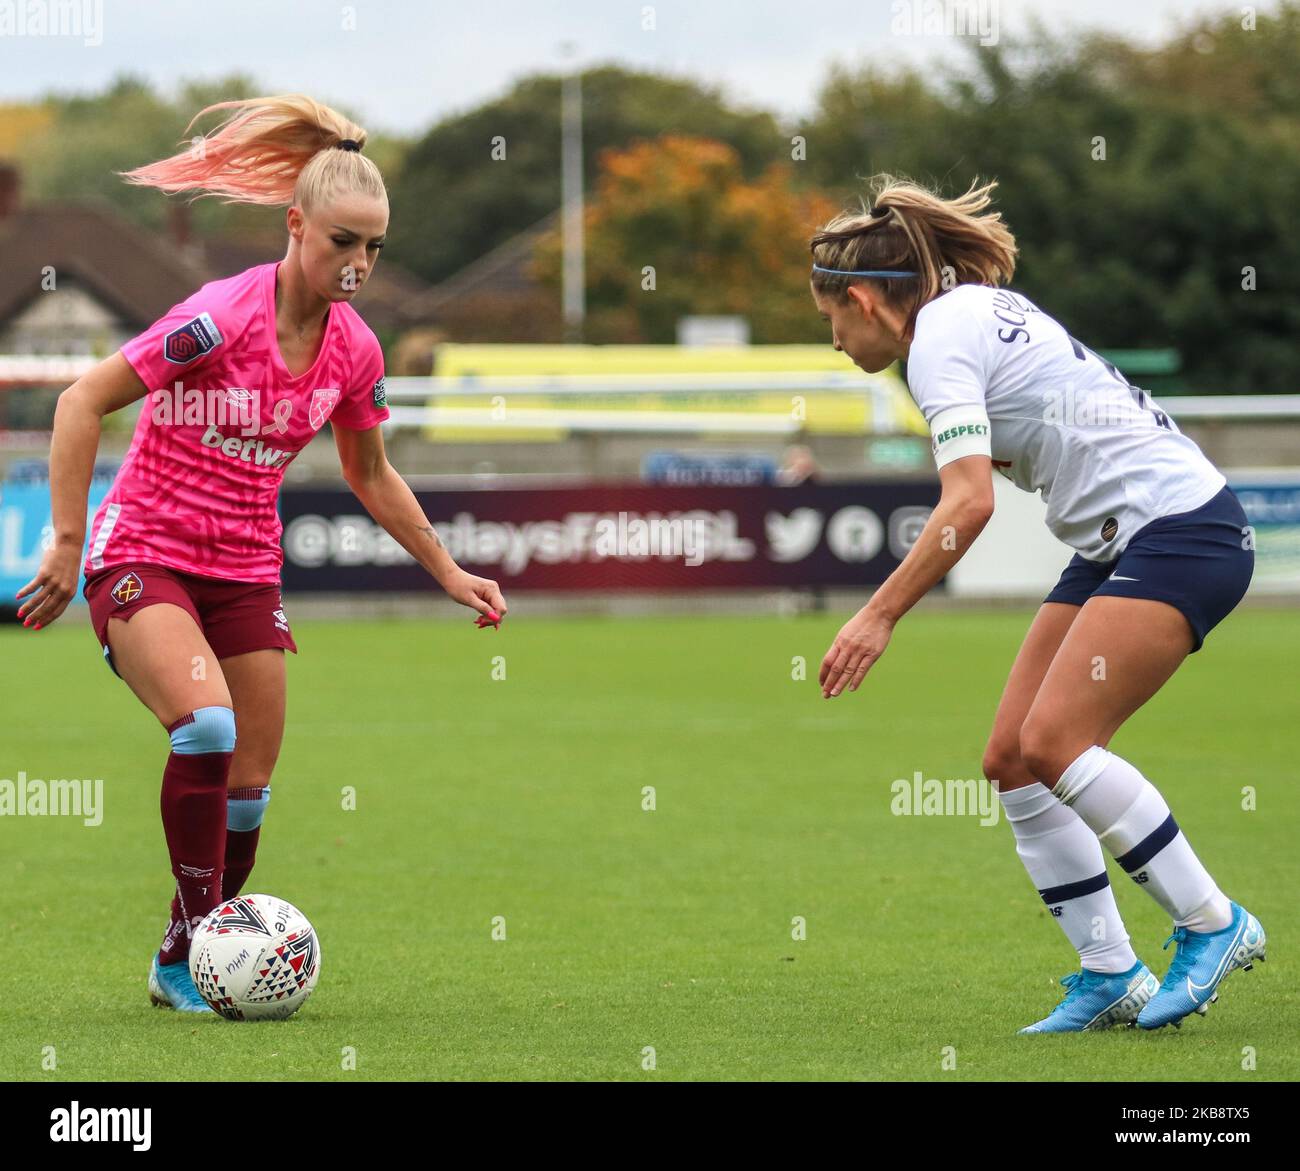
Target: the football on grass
(255, 958)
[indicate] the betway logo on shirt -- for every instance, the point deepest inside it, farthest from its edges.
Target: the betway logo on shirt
(250, 451)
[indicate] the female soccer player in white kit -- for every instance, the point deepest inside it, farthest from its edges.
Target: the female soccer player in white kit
(1163, 554)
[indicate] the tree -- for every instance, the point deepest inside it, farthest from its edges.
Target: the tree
(453, 201)
(717, 242)
(1145, 186)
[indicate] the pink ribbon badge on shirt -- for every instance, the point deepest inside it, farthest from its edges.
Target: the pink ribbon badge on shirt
(279, 417)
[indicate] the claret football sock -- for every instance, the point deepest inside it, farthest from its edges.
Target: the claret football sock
(1065, 862)
(194, 817)
(244, 815)
(1127, 813)
(245, 809)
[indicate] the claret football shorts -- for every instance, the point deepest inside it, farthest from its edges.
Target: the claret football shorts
(235, 617)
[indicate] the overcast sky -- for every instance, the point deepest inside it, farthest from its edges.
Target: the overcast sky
(403, 64)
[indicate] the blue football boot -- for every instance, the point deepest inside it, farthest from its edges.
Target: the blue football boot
(172, 986)
(1097, 1000)
(1201, 962)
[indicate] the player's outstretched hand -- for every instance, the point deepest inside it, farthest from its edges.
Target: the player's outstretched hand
(860, 642)
(478, 593)
(53, 587)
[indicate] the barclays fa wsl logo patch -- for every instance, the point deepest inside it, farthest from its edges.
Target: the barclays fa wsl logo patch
(127, 589)
(380, 393)
(192, 340)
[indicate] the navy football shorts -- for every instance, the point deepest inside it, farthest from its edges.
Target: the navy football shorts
(1199, 561)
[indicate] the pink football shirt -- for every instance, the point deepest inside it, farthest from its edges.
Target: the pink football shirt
(198, 489)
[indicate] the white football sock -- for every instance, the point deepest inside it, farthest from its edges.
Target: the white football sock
(1065, 862)
(1127, 813)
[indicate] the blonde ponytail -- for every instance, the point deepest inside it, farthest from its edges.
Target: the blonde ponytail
(272, 151)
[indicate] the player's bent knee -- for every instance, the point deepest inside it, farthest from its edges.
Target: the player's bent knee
(1041, 750)
(1006, 769)
(249, 778)
(1001, 760)
(206, 729)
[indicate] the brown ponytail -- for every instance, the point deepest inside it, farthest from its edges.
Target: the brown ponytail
(946, 242)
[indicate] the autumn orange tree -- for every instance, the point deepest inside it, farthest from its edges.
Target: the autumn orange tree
(675, 228)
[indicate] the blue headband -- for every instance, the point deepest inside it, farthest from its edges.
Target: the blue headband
(865, 272)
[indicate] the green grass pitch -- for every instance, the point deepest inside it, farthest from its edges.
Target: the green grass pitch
(482, 800)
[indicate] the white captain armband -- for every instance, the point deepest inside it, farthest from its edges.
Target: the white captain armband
(959, 431)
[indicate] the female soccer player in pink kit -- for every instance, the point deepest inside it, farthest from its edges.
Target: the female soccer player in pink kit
(183, 569)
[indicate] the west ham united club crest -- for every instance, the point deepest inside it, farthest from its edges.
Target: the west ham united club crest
(322, 404)
(192, 340)
(127, 589)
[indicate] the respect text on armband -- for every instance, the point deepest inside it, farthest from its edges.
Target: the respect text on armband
(959, 431)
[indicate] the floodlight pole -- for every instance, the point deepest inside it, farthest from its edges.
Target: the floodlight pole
(574, 281)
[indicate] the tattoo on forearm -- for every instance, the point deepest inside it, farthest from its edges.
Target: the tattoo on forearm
(432, 535)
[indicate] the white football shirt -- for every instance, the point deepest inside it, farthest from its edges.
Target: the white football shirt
(994, 375)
